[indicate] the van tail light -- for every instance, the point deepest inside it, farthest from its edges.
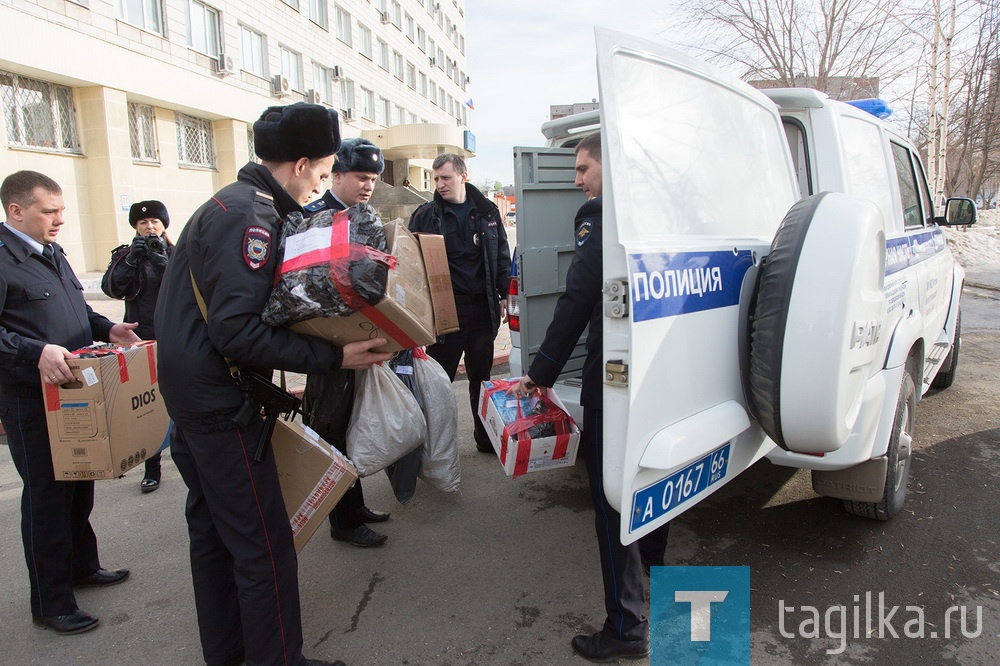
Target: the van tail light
(513, 306)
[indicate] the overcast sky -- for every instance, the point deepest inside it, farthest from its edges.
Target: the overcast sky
(525, 55)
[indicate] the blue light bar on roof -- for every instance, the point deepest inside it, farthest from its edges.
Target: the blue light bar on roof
(875, 106)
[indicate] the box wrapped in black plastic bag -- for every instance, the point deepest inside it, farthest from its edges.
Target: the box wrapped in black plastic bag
(332, 264)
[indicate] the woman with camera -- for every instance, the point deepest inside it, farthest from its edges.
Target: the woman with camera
(134, 276)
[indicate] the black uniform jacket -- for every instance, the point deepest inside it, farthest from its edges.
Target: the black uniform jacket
(137, 285)
(41, 302)
(429, 218)
(230, 245)
(579, 305)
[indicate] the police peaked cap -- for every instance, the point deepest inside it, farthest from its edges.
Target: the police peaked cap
(359, 155)
(289, 133)
(151, 208)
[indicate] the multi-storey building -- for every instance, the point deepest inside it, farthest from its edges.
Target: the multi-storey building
(126, 100)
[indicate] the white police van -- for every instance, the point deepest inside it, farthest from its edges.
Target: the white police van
(776, 284)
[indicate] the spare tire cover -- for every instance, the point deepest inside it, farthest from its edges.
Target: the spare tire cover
(818, 322)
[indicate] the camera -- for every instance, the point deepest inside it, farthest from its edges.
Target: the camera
(155, 244)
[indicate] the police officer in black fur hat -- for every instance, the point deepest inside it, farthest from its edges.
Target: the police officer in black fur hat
(134, 275)
(243, 562)
(329, 397)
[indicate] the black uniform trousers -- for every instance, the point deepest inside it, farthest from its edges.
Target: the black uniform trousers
(475, 339)
(243, 562)
(59, 544)
(621, 566)
(326, 408)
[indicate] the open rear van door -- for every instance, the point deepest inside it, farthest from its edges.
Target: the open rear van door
(697, 178)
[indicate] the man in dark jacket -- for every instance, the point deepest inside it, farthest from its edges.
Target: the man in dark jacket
(479, 263)
(329, 398)
(243, 562)
(625, 634)
(43, 317)
(134, 275)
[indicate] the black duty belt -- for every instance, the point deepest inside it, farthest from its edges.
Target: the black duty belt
(466, 299)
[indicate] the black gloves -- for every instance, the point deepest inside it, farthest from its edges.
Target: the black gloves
(137, 251)
(157, 254)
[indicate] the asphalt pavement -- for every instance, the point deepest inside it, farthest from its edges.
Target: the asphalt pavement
(505, 572)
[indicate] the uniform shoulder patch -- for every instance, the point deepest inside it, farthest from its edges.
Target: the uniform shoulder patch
(256, 246)
(583, 232)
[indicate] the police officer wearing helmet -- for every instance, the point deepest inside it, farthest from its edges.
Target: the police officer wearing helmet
(329, 397)
(134, 275)
(625, 634)
(243, 561)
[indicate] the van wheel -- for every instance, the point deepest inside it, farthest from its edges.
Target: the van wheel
(946, 378)
(899, 456)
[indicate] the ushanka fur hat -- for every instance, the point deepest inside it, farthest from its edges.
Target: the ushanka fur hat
(145, 209)
(288, 133)
(359, 155)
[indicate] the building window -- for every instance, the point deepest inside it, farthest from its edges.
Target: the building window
(397, 65)
(142, 132)
(291, 68)
(441, 95)
(254, 52)
(398, 115)
(39, 114)
(440, 58)
(382, 5)
(145, 14)
(383, 55)
(431, 5)
(365, 47)
(423, 84)
(323, 82)
(343, 26)
(195, 145)
(461, 44)
(317, 13)
(251, 150)
(440, 19)
(397, 14)
(203, 28)
(430, 48)
(411, 76)
(422, 39)
(367, 104)
(346, 95)
(411, 28)
(434, 93)
(294, 4)
(383, 112)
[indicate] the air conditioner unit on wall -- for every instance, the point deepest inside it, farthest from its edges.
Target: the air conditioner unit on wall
(280, 86)
(347, 114)
(337, 72)
(433, 62)
(224, 65)
(386, 19)
(313, 97)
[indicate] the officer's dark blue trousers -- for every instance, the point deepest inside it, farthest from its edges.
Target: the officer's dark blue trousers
(621, 566)
(243, 562)
(475, 339)
(59, 544)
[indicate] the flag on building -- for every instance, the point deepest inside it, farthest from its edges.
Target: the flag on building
(468, 103)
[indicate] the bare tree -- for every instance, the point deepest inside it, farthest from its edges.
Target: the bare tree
(974, 146)
(786, 41)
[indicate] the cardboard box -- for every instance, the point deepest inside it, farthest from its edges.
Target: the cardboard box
(111, 418)
(405, 316)
(522, 455)
(439, 279)
(313, 476)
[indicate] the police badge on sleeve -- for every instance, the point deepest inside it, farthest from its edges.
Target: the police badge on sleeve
(256, 247)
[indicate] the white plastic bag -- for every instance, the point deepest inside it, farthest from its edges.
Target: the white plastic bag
(440, 467)
(386, 422)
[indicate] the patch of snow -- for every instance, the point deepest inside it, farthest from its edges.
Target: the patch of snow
(979, 244)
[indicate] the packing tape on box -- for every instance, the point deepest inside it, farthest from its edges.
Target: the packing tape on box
(522, 424)
(338, 255)
(52, 390)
